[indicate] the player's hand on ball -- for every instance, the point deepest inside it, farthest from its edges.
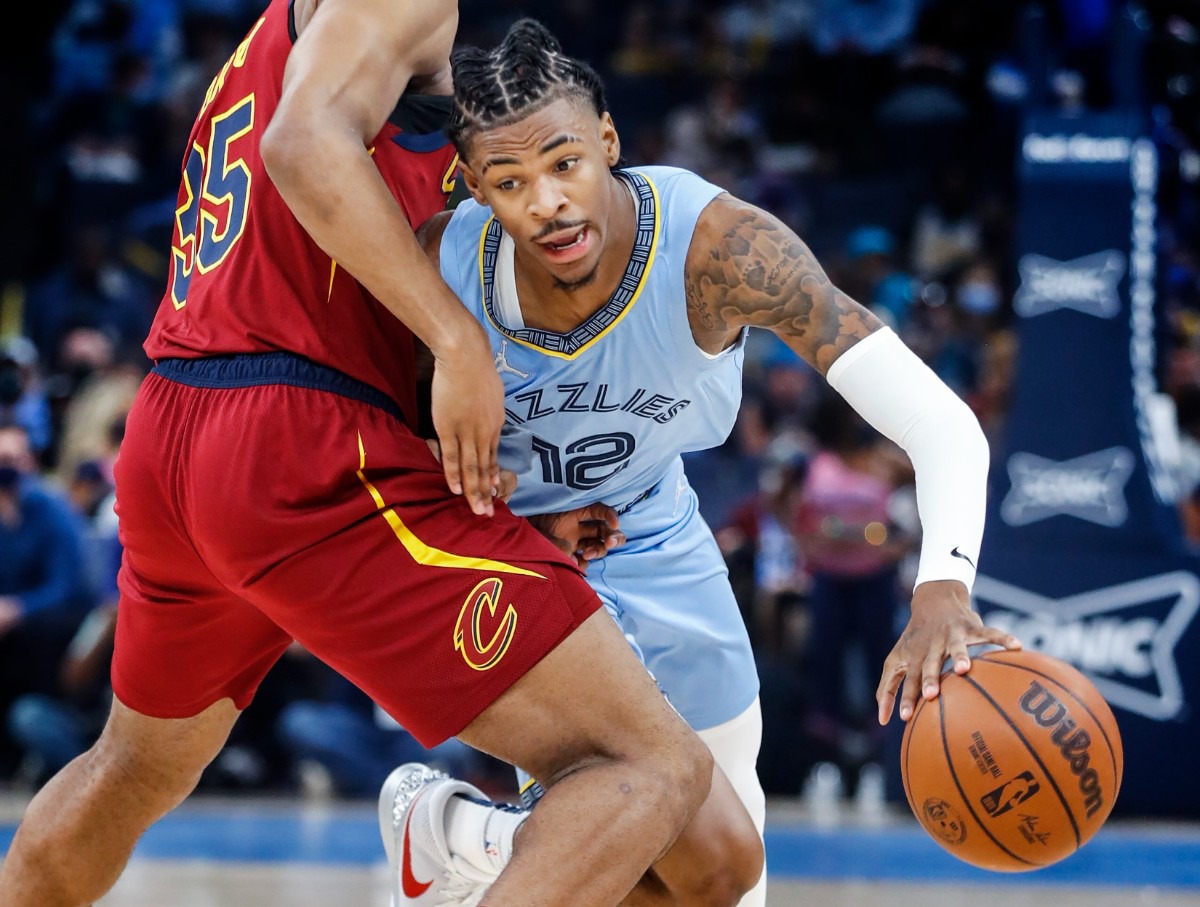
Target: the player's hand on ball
(942, 626)
(586, 533)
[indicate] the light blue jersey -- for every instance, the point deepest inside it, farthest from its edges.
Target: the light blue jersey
(603, 414)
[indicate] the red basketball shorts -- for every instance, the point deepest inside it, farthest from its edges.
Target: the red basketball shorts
(265, 499)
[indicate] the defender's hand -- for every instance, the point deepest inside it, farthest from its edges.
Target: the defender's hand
(586, 533)
(942, 626)
(468, 412)
(508, 478)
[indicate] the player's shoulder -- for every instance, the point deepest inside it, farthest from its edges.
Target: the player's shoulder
(464, 223)
(664, 174)
(678, 186)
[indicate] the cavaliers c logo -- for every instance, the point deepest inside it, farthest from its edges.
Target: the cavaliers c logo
(468, 632)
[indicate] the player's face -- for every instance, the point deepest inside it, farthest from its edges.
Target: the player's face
(546, 178)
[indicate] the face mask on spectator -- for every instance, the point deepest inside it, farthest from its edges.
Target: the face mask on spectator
(978, 298)
(10, 476)
(11, 385)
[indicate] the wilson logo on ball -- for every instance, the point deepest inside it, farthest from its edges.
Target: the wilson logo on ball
(1073, 742)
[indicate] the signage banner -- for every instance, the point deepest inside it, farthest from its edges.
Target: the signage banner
(1084, 555)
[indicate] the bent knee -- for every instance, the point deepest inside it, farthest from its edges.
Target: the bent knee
(730, 873)
(745, 866)
(725, 882)
(690, 767)
(160, 783)
(162, 775)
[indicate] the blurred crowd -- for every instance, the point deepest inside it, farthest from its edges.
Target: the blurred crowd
(883, 131)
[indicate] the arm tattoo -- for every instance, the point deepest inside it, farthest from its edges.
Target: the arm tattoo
(760, 274)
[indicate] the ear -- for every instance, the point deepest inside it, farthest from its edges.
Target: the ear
(471, 181)
(609, 139)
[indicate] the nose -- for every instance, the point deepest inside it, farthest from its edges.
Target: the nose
(546, 199)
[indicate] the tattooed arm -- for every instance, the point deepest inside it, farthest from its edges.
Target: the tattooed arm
(746, 268)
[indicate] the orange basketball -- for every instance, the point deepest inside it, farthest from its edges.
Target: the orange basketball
(1015, 765)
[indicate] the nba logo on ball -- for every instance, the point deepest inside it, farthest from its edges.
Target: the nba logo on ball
(1015, 765)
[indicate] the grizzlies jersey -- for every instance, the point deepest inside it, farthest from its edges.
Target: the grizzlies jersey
(601, 413)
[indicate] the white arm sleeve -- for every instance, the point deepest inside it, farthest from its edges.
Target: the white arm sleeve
(904, 400)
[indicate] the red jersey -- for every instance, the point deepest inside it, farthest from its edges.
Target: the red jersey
(245, 276)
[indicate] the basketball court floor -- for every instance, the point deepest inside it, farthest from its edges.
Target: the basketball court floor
(289, 853)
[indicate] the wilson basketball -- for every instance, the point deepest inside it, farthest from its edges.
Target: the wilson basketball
(1015, 765)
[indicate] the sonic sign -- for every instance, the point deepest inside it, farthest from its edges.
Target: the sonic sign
(1084, 557)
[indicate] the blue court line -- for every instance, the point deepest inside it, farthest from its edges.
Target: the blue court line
(1115, 857)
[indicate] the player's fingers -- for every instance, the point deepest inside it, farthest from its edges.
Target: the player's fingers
(614, 539)
(591, 549)
(507, 485)
(909, 695)
(476, 480)
(931, 672)
(489, 469)
(450, 466)
(957, 652)
(885, 694)
(609, 515)
(996, 637)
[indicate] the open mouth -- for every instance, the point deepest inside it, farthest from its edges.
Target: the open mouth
(564, 240)
(566, 245)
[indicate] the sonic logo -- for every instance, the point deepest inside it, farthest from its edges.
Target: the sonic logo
(480, 608)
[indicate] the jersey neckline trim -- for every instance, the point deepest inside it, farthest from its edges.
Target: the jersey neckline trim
(641, 260)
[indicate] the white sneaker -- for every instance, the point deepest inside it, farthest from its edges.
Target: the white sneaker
(412, 807)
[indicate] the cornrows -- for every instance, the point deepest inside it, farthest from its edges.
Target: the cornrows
(525, 73)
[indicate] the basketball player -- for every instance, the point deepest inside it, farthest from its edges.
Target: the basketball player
(269, 488)
(617, 302)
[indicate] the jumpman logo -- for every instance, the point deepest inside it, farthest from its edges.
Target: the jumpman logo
(502, 365)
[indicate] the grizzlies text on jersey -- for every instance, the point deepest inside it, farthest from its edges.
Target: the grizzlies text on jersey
(604, 412)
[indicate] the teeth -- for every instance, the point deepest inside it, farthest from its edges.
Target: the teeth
(566, 245)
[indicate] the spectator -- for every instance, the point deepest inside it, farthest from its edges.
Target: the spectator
(54, 728)
(718, 136)
(759, 544)
(946, 231)
(875, 278)
(993, 389)
(44, 592)
(357, 743)
(94, 291)
(851, 547)
(756, 29)
(868, 27)
(22, 394)
(93, 417)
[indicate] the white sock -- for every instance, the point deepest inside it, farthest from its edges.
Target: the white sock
(482, 832)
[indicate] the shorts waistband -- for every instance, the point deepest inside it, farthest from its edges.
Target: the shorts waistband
(629, 505)
(256, 369)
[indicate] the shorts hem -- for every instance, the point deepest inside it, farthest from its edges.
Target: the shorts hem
(488, 696)
(713, 719)
(143, 706)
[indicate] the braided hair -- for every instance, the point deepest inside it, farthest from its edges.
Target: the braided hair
(526, 72)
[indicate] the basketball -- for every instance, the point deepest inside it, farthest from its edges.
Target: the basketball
(1015, 765)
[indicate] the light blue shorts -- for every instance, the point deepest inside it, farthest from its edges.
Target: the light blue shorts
(668, 589)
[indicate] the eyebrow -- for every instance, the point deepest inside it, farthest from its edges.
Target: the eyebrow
(564, 139)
